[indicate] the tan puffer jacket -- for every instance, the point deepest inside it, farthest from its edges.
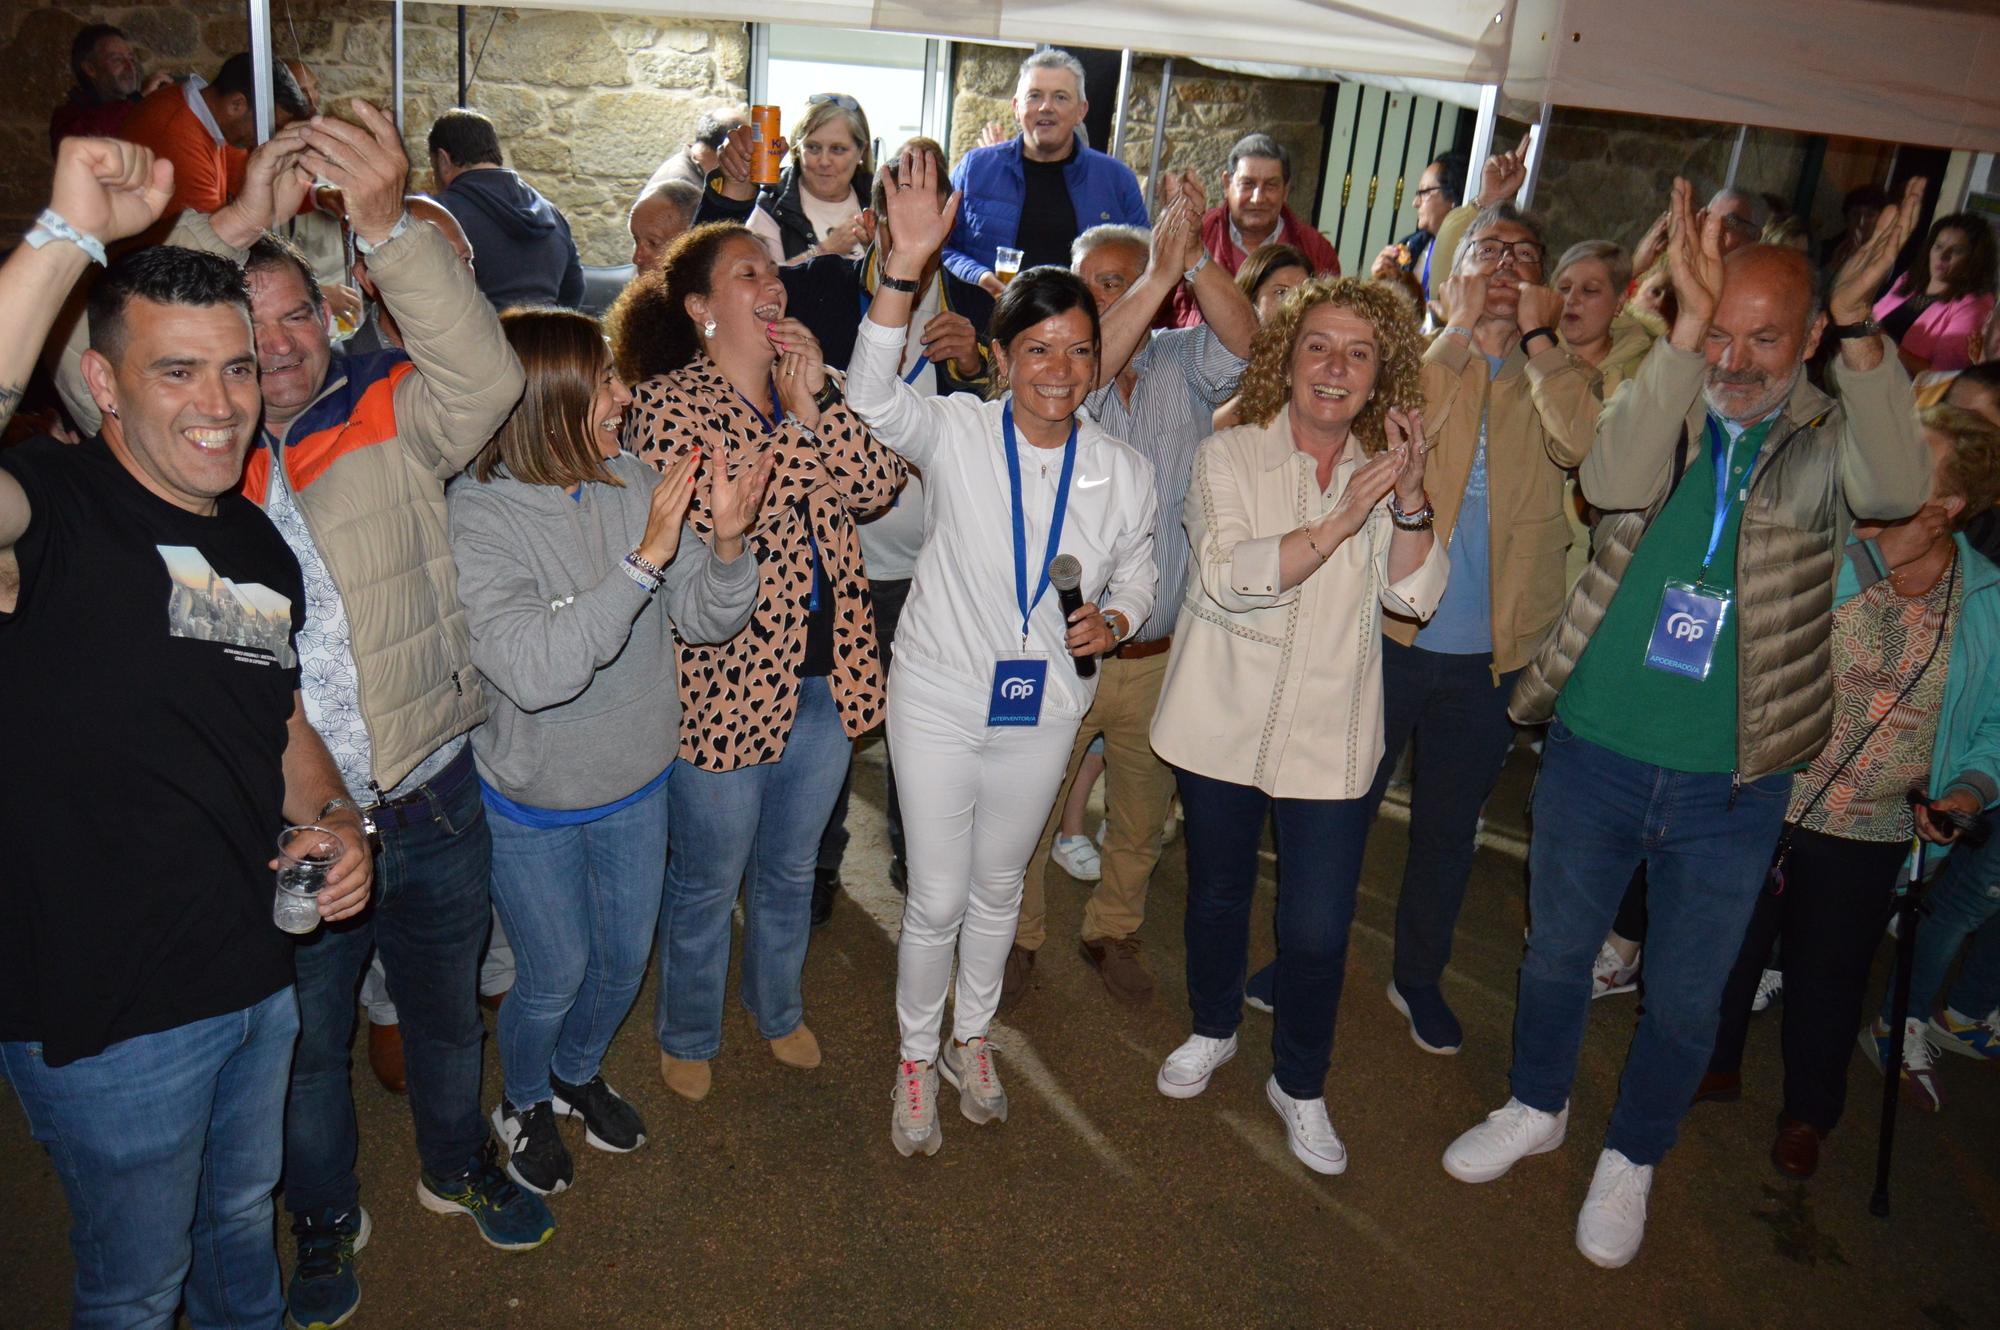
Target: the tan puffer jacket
(1825, 463)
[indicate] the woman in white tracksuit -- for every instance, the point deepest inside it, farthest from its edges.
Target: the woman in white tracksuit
(984, 695)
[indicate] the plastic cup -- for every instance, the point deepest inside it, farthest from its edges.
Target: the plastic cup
(305, 856)
(1006, 264)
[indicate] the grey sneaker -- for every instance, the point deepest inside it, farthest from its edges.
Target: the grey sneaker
(972, 1072)
(913, 1124)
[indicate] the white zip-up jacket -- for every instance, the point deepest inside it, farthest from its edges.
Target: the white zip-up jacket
(962, 614)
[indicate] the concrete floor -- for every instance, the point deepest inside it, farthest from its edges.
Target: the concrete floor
(780, 1202)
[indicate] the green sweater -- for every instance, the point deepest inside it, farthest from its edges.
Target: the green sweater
(1614, 699)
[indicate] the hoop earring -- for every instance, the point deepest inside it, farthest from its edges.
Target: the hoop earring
(708, 329)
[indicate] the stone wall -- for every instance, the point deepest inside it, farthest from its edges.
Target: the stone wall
(1207, 111)
(587, 105)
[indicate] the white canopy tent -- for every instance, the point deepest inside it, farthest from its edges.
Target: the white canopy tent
(1913, 71)
(1906, 71)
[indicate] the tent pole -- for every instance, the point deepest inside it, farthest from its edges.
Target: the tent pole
(260, 64)
(1118, 121)
(1482, 137)
(1160, 123)
(1526, 198)
(1736, 156)
(396, 91)
(461, 56)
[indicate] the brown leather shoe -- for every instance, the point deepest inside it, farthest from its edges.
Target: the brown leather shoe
(1718, 1087)
(1796, 1150)
(385, 1055)
(689, 1080)
(1014, 980)
(1116, 960)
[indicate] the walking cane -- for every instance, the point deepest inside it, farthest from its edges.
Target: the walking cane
(1905, 905)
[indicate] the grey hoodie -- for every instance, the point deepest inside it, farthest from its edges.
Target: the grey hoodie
(586, 700)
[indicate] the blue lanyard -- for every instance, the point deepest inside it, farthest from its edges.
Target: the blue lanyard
(923, 362)
(1723, 459)
(771, 423)
(1021, 522)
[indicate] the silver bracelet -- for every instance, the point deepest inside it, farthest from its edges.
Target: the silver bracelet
(52, 225)
(643, 571)
(1417, 521)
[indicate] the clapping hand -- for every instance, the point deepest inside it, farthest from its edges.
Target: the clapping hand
(1861, 279)
(1405, 432)
(918, 221)
(735, 501)
(1652, 244)
(1694, 255)
(671, 497)
(365, 161)
(110, 189)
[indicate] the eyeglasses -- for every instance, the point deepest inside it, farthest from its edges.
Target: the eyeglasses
(1427, 189)
(1526, 253)
(840, 99)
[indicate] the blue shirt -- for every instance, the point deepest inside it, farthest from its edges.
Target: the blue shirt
(1101, 189)
(528, 815)
(1463, 624)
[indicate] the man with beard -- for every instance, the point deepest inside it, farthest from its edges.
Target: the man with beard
(1690, 674)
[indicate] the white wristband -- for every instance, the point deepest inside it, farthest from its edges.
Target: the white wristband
(52, 225)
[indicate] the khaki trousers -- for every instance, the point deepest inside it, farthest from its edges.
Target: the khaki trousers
(1138, 790)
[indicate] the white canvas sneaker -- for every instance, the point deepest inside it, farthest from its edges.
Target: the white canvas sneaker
(1186, 1071)
(1313, 1140)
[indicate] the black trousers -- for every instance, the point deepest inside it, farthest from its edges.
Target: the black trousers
(1830, 918)
(888, 597)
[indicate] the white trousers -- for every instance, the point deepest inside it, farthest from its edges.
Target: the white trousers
(974, 798)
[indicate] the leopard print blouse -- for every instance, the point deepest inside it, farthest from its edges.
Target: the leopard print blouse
(739, 698)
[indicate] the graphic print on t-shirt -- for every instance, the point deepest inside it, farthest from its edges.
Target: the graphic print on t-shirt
(204, 605)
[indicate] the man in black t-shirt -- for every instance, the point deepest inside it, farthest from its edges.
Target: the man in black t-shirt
(156, 746)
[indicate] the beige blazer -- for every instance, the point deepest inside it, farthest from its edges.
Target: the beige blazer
(1281, 689)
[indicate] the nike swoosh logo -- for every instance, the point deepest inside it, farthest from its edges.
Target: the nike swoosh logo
(1092, 484)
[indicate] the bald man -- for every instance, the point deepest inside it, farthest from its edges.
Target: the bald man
(661, 214)
(1691, 674)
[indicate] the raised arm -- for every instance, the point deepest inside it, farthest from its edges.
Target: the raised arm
(1128, 321)
(910, 423)
(1884, 466)
(467, 377)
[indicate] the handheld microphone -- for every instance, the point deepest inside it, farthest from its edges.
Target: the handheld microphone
(1066, 575)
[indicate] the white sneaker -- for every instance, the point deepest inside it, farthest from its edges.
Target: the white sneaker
(1609, 974)
(1314, 1143)
(1770, 987)
(1078, 857)
(1510, 1134)
(1186, 1071)
(971, 1072)
(1920, 1078)
(1613, 1219)
(913, 1124)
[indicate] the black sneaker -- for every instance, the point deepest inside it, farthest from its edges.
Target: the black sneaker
(609, 1122)
(536, 1155)
(826, 886)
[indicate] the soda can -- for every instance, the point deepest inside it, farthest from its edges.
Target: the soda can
(765, 161)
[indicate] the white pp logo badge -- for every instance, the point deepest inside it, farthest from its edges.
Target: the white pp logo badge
(1685, 627)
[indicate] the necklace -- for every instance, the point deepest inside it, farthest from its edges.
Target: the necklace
(1912, 579)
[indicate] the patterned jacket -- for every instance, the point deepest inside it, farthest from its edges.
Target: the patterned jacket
(739, 698)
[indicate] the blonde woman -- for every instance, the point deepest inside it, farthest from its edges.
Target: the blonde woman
(1306, 523)
(819, 205)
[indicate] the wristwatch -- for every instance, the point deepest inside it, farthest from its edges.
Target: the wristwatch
(1199, 264)
(903, 284)
(403, 224)
(368, 828)
(1844, 331)
(828, 394)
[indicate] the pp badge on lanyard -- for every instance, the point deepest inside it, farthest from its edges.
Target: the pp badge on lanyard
(1692, 614)
(1019, 680)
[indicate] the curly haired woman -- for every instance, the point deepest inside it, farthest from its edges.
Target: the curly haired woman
(1306, 522)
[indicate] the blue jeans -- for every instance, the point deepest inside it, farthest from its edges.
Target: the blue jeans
(1597, 816)
(1319, 870)
(429, 918)
(1961, 905)
(169, 1146)
(581, 904)
(757, 828)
